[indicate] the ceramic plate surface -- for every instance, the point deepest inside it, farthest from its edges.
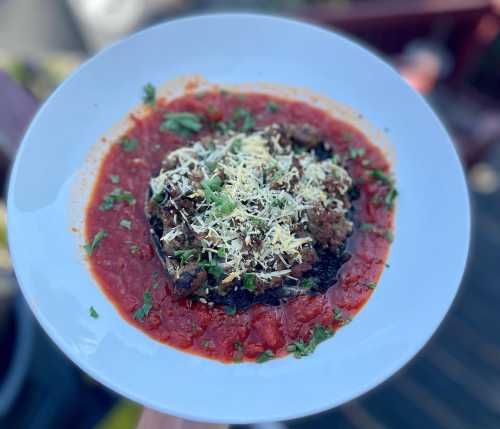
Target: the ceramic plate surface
(426, 260)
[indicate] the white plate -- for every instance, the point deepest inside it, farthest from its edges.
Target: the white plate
(427, 258)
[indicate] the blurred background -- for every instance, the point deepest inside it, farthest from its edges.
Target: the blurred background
(449, 50)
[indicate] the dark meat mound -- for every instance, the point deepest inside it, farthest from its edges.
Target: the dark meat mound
(320, 264)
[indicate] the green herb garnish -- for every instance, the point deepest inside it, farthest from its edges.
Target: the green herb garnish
(184, 255)
(213, 268)
(236, 145)
(93, 313)
(390, 197)
(371, 285)
(249, 282)
(337, 314)
(155, 285)
(134, 249)
(238, 346)
(265, 356)
(380, 175)
(224, 205)
(128, 144)
(248, 120)
(357, 152)
(319, 334)
(116, 195)
(307, 283)
(89, 248)
(114, 179)
(214, 184)
(142, 312)
(125, 223)
(183, 124)
(367, 227)
(272, 107)
(221, 252)
(230, 310)
(149, 96)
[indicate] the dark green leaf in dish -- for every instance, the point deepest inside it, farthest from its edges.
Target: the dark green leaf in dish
(116, 195)
(230, 310)
(114, 179)
(265, 356)
(142, 312)
(241, 113)
(184, 124)
(89, 248)
(307, 283)
(128, 144)
(93, 313)
(149, 96)
(272, 107)
(249, 282)
(125, 223)
(213, 268)
(319, 334)
(184, 255)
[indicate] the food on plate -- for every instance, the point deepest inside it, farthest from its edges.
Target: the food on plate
(240, 227)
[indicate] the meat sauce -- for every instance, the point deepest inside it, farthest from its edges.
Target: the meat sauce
(125, 265)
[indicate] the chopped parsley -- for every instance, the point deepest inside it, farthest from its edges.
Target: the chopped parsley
(367, 227)
(184, 124)
(89, 248)
(125, 223)
(231, 310)
(114, 179)
(249, 282)
(390, 197)
(129, 144)
(93, 313)
(248, 123)
(116, 195)
(142, 312)
(357, 152)
(134, 249)
(224, 205)
(184, 255)
(272, 107)
(214, 184)
(319, 334)
(337, 314)
(381, 176)
(213, 268)
(265, 356)
(149, 96)
(307, 283)
(371, 285)
(238, 346)
(236, 145)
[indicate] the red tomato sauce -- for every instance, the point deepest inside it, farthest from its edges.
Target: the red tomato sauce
(125, 265)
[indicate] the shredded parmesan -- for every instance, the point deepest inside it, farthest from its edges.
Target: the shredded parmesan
(265, 194)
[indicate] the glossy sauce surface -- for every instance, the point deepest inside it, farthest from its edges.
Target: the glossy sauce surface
(125, 265)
